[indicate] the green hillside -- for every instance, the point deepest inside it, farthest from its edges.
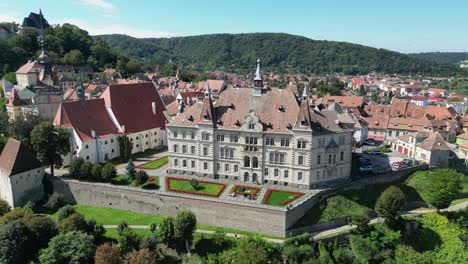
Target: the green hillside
(279, 52)
(443, 57)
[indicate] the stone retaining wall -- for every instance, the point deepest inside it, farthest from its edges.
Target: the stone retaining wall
(213, 213)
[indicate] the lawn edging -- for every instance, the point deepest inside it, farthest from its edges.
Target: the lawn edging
(270, 191)
(217, 194)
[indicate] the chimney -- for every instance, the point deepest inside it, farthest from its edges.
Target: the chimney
(93, 133)
(153, 107)
(123, 128)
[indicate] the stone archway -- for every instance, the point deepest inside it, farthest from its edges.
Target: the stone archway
(254, 177)
(246, 176)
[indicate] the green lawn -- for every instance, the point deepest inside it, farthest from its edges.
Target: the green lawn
(211, 189)
(122, 179)
(277, 197)
(155, 164)
(138, 155)
(458, 201)
(110, 216)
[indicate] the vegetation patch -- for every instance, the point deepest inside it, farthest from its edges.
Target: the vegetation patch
(199, 188)
(122, 179)
(278, 197)
(245, 190)
(155, 164)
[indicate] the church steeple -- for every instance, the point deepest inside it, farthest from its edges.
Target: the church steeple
(44, 57)
(207, 90)
(304, 92)
(258, 81)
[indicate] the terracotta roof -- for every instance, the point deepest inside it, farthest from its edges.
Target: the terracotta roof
(463, 136)
(172, 108)
(434, 142)
(215, 85)
(344, 101)
(16, 158)
(85, 117)
(70, 95)
(277, 109)
(32, 66)
(132, 106)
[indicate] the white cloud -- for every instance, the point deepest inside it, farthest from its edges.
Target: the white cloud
(105, 28)
(106, 8)
(10, 16)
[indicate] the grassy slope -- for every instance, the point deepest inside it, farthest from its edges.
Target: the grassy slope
(358, 202)
(209, 188)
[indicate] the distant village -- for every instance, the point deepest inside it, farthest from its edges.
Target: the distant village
(236, 127)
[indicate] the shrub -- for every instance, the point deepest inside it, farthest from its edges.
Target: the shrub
(74, 169)
(74, 222)
(141, 177)
(15, 214)
(151, 186)
(444, 186)
(121, 227)
(194, 183)
(86, 170)
(54, 202)
(43, 228)
(65, 212)
(144, 256)
(4, 207)
(96, 172)
(108, 172)
(130, 169)
(128, 240)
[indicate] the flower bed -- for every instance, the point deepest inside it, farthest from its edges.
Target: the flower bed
(205, 188)
(245, 190)
(154, 164)
(277, 197)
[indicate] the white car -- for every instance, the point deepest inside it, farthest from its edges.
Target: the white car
(366, 169)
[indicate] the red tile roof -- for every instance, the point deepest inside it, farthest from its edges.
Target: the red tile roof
(32, 66)
(85, 117)
(132, 106)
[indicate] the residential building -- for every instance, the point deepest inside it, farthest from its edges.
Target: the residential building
(426, 147)
(135, 110)
(21, 174)
(260, 135)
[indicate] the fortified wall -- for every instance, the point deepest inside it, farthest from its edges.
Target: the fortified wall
(271, 220)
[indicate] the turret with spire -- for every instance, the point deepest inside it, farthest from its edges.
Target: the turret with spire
(304, 92)
(44, 57)
(258, 81)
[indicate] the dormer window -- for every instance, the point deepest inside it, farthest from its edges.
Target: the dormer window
(190, 118)
(282, 109)
(251, 126)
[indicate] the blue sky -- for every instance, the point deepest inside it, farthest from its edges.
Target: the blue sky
(401, 25)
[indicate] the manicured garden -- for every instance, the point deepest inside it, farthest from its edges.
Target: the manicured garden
(155, 164)
(194, 187)
(245, 190)
(123, 179)
(280, 198)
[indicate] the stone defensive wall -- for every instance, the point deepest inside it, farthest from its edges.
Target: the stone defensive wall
(272, 220)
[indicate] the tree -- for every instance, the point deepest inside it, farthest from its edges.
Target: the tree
(108, 254)
(72, 247)
(74, 222)
(50, 143)
(250, 250)
(294, 254)
(74, 170)
(407, 255)
(125, 147)
(130, 169)
(43, 229)
(65, 212)
(128, 240)
(10, 76)
(16, 243)
(150, 242)
(74, 57)
(141, 177)
(15, 214)
(4, 207)
(389, 203)
(362, 224)
(194, 183)
(444, 186)
(185, 224)
(142, 256)
(21, 128)
(166, 230)
(96, 172)
(108, 172)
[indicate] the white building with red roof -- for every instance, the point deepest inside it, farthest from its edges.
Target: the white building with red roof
(135, 110)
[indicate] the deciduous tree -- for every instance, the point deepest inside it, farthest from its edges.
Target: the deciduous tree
(185, 224)
(389, 204)
(444, 187)
(108, 254)
(50, 144)
(72, 247)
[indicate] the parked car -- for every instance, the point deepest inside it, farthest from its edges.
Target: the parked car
(370, 142)
(366, 169)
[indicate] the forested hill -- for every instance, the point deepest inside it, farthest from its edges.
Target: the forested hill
(443, 57)
(278, 52)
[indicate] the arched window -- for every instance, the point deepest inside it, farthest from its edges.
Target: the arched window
(255, 162)
(246, 161)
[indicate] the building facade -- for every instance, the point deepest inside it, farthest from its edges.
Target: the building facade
(260, 135)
